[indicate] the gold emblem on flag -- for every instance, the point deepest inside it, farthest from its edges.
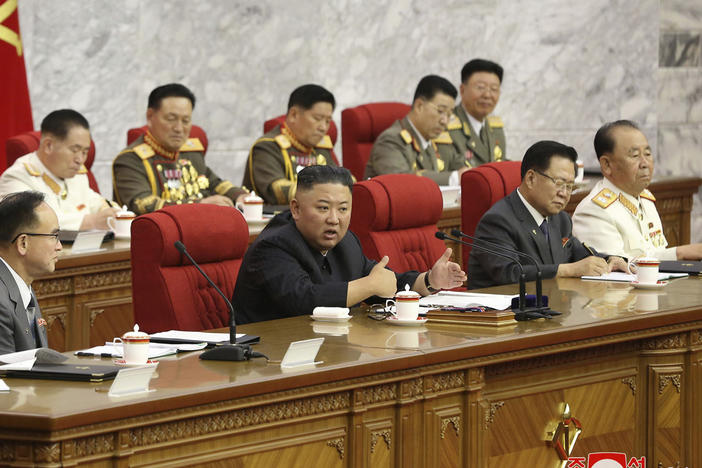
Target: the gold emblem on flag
(7, 34)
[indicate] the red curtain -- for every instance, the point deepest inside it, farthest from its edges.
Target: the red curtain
(15, 109)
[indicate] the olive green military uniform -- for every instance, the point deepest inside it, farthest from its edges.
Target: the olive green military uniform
(474, 149)
(147, 177)
(274, 161)
(397, 150)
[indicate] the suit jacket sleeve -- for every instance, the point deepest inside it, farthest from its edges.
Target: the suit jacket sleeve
(390, 156)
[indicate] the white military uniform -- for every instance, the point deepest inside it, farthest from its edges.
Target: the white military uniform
(614, 222)
(71, 199)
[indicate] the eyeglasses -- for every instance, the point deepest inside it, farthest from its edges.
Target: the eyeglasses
(559, 183)
(444, 112)
(483, 88)
(55, 235)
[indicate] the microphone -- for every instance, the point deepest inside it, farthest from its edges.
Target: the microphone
(522, 313)
(539, 276)
(231, 351)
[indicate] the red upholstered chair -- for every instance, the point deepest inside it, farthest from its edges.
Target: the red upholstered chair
(195, 132)
(269, 125)
(396, 215)
(360, 126)
(168, 291)
(27, 142)
(481, 188)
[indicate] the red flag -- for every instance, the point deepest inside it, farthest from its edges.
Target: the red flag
(15, 109)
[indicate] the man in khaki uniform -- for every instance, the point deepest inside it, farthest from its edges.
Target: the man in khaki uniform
(164, 166)
(419, 144)
(619, 215)
(56, 169)
(301, 141)
(478, 136)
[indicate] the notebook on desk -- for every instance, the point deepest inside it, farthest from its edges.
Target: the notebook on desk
(690, 267)
(77, 372)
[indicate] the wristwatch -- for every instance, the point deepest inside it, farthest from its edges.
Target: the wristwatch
(427, 284)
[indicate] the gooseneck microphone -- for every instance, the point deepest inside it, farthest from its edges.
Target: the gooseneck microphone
(539, 276)
(522, 312)
(231, 351)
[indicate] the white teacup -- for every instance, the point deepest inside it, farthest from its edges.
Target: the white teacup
(406, 304)
(135, 346)
(121, 223)
(253, 207)
(646, 270)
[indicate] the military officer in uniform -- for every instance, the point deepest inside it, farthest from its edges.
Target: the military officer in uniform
(619, 214)
(419, 144)
(164, 166)
(301, 141)
(478, 136)
(56, 169)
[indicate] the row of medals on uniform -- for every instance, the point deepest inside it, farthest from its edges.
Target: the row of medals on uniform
(182, 182)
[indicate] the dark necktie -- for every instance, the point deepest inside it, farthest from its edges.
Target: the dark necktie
(544, 228)
(31, 317)
(483, 135)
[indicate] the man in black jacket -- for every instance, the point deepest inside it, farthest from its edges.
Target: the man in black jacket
(531, 220)
(306, 257)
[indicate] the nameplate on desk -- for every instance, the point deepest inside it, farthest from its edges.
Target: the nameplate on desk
(88, 241)
(301, 354)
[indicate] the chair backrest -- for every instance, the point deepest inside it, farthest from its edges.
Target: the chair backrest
(270, 124)
(195, 132)
(396, 215)
(168, 291)
(360, 126)
(481, 188)
(27, 142)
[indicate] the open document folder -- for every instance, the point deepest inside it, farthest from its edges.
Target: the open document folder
(156, 350)
(446, 299)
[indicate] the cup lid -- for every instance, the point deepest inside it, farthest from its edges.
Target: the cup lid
(407, 293)
(647, 261)
(253, 198)
(135, 335)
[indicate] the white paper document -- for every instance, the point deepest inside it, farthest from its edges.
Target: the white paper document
(156, 350)
(622, 277)
(466, 299)
(88, 241)
(19, 356)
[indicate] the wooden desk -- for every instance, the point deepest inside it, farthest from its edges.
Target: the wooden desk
(389, 396)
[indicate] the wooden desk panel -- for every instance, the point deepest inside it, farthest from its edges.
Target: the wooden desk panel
(457, 396)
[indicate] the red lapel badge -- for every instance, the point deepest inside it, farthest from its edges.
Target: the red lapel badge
(564, 241)
(41, 322)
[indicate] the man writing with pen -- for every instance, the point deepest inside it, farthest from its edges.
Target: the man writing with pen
(531, 220)
(56, 169)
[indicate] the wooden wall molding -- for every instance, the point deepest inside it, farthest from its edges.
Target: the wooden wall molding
(677, 341)
(338, 444)
(386, 434)
(102, 280)
(490, 412)
(455, 421)
(664, 379)
(631, 382)
(53, 287)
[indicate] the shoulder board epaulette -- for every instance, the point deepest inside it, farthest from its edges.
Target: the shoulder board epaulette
(31, 170)
(454, 123)
(647, 195)
(83, 170)
(282, 141)
(495, 121)
(443, 137)
(144, 151)
(193, 144)
(605, 198)
(325, 142)
(406, 136)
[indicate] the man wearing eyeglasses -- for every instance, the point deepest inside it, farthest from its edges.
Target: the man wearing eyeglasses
(419, 144)
(531, 220)
(478, 136)
(620, 212)
(29, 248)
(56, 169)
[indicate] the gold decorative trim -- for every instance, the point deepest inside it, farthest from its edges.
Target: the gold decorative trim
(52, 287)
(695, 338)
(677, 341)
(50, 318)
(664, 379)
(378, 393)
(412, 388)
(103, 280)
(490, 413)
(94, 314)
(338, 444)
(386, 434)
(455, 420)
(447, 381)
(87, 446)
(47, 452)
(631, 382)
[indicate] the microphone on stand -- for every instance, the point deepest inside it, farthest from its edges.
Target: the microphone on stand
(231, 351)
(539, 287)
(522, 312)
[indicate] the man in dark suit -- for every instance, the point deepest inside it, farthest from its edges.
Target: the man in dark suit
(29, 247)
(531, 220)
(307, 257)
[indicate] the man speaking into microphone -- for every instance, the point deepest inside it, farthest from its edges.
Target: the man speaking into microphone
(531, 220)
(307, 257)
